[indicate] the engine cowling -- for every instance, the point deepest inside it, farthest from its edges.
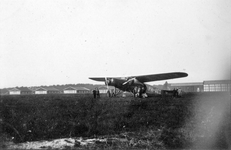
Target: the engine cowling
(109, 81)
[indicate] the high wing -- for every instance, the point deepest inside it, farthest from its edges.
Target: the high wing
(149, 78)
(162, 76)
(103, 79)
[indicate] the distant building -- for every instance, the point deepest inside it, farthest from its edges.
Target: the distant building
(104, 89)
(40, 90)
(4, 92)
(14, 91)
(52, 90)
(76, 90)
(206, 86)
(166, 86)
(47, 90)
(69, 90)
(217, 85)
(25, 91)
(17, 91)
(83, 90)
(188, 87)
(60, 88)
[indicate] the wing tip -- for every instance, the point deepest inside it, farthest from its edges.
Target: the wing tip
(181, 74)
(184, 74)
(97, 79)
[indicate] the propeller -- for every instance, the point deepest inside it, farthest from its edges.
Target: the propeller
(129, 80)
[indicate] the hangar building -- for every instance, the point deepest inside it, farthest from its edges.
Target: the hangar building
(217, 85)
(205, 86)
(188, 87)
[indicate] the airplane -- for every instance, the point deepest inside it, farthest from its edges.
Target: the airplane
(137, 84)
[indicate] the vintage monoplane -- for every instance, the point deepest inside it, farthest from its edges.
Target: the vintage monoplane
(136, 84)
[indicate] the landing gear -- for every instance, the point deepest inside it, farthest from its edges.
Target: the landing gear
(140, 92)
(111, 93)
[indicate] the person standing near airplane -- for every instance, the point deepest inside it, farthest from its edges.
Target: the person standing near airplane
(94, 93)
(97, 93)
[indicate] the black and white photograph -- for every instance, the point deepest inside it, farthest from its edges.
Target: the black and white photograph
(115, 74)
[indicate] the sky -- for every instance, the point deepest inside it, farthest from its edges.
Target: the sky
(51, 42)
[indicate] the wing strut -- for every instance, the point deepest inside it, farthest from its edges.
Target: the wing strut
(106, 82)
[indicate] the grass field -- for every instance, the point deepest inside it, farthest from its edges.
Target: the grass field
(197, 120)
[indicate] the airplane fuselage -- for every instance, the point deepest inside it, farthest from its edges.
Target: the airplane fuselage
(133, 86)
